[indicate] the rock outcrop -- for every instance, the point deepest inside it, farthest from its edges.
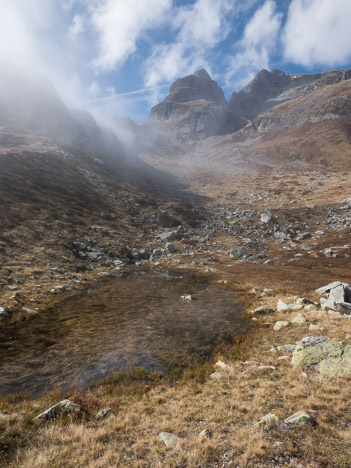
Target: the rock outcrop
(195, 109)
(268, 89)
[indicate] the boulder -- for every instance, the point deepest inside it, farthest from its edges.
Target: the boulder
(327, 356)
(329, 287)
(62, 408)
(339, 297)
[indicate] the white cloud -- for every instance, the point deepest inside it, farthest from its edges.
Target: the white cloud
(77, 26)
(258, 42)
(198, 28)
(120, 24)
(317, 32)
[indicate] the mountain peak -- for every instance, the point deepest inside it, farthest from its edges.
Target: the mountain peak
(203, 74)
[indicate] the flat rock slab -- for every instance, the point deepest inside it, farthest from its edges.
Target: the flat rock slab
(327, 356)
(329, 287)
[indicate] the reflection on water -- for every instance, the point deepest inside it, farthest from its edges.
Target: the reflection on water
(133, 320)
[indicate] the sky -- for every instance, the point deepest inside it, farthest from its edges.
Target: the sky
(119, 57)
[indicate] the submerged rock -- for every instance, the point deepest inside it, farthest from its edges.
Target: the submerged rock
(327, 356)
(64, 407)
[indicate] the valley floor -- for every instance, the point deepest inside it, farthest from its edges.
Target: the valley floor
(295, 232)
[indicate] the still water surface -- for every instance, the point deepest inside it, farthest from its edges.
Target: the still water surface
(133, 320)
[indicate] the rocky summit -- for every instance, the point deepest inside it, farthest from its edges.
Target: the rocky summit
(195, 109)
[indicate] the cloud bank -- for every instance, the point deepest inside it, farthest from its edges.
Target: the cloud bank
(317, 32)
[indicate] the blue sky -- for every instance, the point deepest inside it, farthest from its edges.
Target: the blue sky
(119, 57)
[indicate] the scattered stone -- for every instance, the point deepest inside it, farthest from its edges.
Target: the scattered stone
(205, 434)
(156, 254)
(254, 319)
(283, 358)
(266, 218)
(287, 348)
(262, 310)
(103, 413)
(299, 319)
(299, 419)
(170, 440)
(169, 236)
(221, 364)
(262, 367)
(104, 274)
(28, 311)
(238, 253)
(313, 327)
(62, 408)
(3, 312)
(268, 420)
(280, 324)
(170, 247)
(188, 297)
(216, 375)
(311, 307)
(304, 236)
(283, 307)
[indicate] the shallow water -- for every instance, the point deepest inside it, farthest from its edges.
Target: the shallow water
(133, 320)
